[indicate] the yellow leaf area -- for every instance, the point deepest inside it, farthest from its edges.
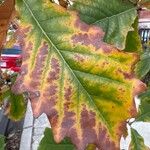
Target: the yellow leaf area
(85, 86)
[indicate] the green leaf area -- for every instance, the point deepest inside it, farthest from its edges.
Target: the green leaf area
(48, 142)
(144, 109)
(143, 67)
(16, 105)
(2, 142)
(115, 17)
(137, 142)
(133, 41)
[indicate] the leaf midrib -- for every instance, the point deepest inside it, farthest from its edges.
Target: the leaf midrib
(47, 37)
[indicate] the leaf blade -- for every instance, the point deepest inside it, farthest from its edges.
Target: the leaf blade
(2, 142)
(61, 70)
(142, 67)
(48, 142)
(144, 108)
(137, 142)
(114, 17)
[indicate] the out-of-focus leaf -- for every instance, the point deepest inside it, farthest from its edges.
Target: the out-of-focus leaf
(2, 142)
(143, 66)
(145, 3)
(16, 109)
(85, 86)
(48, 143)
(137, 142)
(115, 17)
(133, 41)
(6, 13)
(63, 3)
(14, 105)
(91, 147)
(144, 108)
(134, 1)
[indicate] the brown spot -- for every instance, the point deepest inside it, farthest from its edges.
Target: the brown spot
(125, 74)
(105, 64)
(132, 110)
(121, 90)
(122, 129)
(53, 117)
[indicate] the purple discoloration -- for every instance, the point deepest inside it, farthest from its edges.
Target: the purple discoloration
(21, 35)
(34, 84)
(55, 70)
(91, 39)
(68, 93)
(69, 116)
(81, 25)
(90, 35)
(103, 140)
(88, 123)
(19, 86)
(39, 62)
(53, 117)
(26, 53)
(52, 90)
